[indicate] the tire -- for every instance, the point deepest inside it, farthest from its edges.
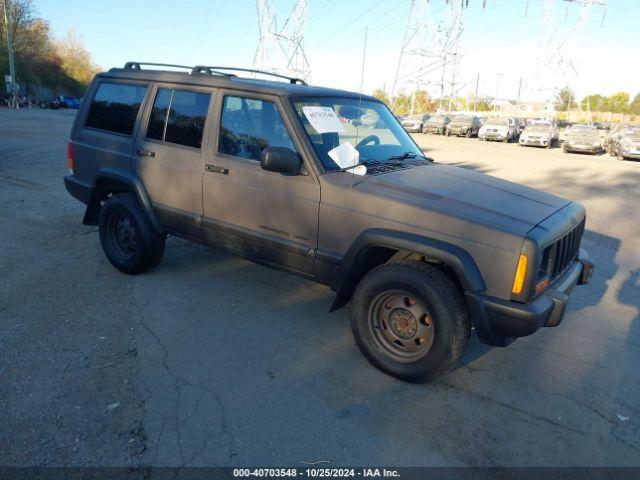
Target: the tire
(427, 337)
(468, 134)
(127, 237)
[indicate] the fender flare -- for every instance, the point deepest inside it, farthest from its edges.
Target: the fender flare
(350, 268)
(110, 175)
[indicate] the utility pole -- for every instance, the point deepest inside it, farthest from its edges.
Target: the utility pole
(12, 69)
(519, 91)
(475, 102)
(499, 75)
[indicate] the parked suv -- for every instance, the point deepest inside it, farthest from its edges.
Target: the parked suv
(464, 126)
(501, 129)
(414, 123)
(436, 124)
(278, 173)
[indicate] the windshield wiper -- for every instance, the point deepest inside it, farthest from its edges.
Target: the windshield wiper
(366, 163)
(406, 155)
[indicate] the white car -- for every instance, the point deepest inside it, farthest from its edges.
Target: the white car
(539, 134)
(502, 129)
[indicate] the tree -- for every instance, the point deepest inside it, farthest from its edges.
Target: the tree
(565, 99)
(618, 102)
(76, 60)
(634, 107)
(380, 94)
(594, 103)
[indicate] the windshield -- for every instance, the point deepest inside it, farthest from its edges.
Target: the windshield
(503, 122)
(367, 125)
(584, 132)
(633, 133)
(436, 119)
(462, 119)
(538, 127)
(583, 127)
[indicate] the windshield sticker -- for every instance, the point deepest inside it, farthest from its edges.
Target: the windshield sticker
(345, 155)
(323, 119)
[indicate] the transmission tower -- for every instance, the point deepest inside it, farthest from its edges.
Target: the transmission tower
(557, 62)
(281, 49)
(430, 52)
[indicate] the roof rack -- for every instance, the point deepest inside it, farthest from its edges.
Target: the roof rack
(205, 69)
(138, 66)
(199, 69)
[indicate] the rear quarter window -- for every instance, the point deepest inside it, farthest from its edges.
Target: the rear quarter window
(115, 106)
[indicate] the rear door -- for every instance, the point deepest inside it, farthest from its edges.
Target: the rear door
(106, 126)
(265, 216)
(169, 155)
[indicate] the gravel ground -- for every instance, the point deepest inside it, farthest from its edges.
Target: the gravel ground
(210, 360)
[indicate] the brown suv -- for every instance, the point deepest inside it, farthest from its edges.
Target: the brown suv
(293, 177)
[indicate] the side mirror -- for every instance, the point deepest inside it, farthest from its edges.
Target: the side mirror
(281, 160)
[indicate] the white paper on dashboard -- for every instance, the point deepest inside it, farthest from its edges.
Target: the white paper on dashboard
(345, 155)
(323, 119)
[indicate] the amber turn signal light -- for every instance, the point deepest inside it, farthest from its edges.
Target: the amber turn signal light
(521, 271)
(541, 285)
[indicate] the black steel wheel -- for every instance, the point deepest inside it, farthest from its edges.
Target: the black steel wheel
(409, 319)
(126, 235)
(401, 325)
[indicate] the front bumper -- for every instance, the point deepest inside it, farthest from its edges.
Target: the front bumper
(495, 137)
(459, 131)
(498, 321)
(538, 142)
(631, 154)
(413, 128)
(582, 148)
(431, 129)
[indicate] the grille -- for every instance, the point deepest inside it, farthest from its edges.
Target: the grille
(561, 253)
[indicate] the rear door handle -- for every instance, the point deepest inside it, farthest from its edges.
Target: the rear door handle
(146, 153)
(216, 169)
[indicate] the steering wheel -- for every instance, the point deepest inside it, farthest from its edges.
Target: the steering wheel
(369, 139)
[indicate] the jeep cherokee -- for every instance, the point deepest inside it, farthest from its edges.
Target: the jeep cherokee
(284, 174)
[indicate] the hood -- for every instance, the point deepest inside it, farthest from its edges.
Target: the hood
(460, 123)
(584, 138)
(470, 195)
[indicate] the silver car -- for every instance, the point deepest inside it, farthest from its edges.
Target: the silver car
(414, 123)
(539, 135)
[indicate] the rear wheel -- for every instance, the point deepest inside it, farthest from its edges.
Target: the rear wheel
(409, 320)
(126, 235)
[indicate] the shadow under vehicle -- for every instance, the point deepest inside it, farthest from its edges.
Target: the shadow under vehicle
(581, 138)
(283, 174)
(464, 126)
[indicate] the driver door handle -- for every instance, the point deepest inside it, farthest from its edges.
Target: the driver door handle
(145, 153)
(216, 169)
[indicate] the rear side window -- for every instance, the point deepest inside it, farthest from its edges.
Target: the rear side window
(248, 126)
(115, 106)
(178, 116)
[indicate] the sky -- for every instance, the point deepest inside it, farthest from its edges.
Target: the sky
(498, 49)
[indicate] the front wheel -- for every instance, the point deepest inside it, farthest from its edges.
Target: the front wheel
(410, 320)
(126, 235)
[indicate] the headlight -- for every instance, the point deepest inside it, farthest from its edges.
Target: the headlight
(596, 144)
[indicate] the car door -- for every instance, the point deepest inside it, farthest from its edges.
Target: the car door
(265, 216)
(169, 155)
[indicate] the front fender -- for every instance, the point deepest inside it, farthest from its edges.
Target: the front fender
(354, 264)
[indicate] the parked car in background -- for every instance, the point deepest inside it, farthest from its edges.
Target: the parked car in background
(582, 138)
(414, 123)
(502, 129)
(614, 136)
(436, 124)
(52, 104)
(627, 144)
(464, 125)
(540, 134)
(66, 101)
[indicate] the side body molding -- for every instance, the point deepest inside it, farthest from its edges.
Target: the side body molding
(110, 179)
(357, 259)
